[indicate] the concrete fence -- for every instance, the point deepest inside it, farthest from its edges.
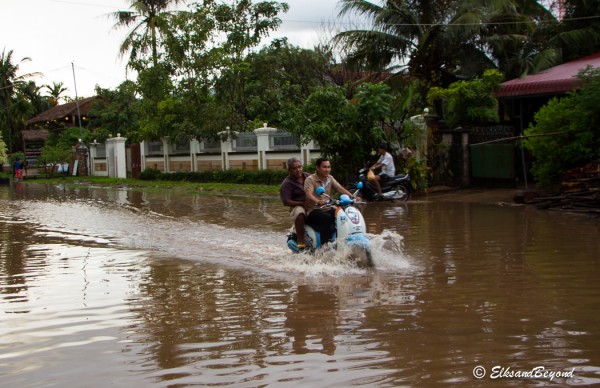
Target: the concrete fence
(264, 148)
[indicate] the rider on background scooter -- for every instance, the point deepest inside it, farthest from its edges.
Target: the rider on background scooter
(292, 194)
(388, 169)
(317, 218)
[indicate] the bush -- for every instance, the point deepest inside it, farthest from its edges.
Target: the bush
(566, 132)
(470, 102)
(263, 177)
(150, 174)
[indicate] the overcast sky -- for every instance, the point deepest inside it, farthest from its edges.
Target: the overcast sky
(59, 35)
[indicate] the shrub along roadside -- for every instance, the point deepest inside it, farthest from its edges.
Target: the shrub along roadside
(263, 177)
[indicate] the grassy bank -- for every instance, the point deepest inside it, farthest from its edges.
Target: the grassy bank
(193, 187)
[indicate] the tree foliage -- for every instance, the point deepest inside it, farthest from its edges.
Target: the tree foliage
(470, 102)
(566, 132)
(116, 111)
(149, 25)
(346, 130)
(15, 107)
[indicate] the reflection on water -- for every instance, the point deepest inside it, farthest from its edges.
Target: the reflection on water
(117, 287)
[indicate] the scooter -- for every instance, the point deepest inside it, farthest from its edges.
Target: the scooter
(397, 188)
(350, 231)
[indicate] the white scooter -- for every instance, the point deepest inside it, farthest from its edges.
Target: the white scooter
(350, 231)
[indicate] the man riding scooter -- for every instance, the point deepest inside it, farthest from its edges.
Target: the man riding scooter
(388, 170)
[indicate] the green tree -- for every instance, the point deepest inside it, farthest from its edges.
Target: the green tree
(276, 79)
(244, 25)
(54, 92)
(12, 108)
(566, 131)
(148, 21)
(3, 155)
(346, 130)
(440, 42)
(470, 102)
(405, 36)
(53, 155)
(59, 147)
(116, 111)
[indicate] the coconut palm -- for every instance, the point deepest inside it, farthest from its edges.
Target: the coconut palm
(438, 42)
(55, 91)
(149, 23)
(9, 84)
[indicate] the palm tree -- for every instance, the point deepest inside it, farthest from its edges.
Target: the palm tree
(148, 20)
(438, 42)
(9, 84)
(55, 91)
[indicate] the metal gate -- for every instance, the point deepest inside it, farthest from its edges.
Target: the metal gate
(492, 153)
(135, 161)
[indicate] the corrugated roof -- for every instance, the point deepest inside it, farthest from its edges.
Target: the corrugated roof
(555, 80)
(60, 111)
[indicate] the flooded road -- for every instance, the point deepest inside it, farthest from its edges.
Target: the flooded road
(112, 287)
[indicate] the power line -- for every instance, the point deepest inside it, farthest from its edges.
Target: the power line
(442, 24)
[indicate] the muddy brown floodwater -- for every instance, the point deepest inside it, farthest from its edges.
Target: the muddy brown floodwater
(113, 287)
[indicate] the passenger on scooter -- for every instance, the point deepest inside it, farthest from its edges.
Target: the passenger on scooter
(386, 163)
(321, 220)
(292, 194)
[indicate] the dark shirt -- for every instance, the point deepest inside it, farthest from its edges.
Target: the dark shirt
(292, 190)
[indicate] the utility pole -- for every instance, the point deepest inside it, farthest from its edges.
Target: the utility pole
(77, 104)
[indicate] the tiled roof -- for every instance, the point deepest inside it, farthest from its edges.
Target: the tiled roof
(555, 80)
(60, 111)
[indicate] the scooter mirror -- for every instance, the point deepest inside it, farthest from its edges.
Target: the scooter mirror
(319, 190)
(359, 185)
(345, 199)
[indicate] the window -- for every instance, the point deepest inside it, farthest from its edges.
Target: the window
(245, 142)
(180, 146)
(155, 148)
(284, 141)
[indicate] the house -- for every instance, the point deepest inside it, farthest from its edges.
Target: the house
(521, 98)
(56, 118)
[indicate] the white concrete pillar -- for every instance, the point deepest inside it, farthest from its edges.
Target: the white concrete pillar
(116, 157)
(165, 141)
(226, 147)
(194, 150)
(263, 144)
(93, 154)
(305, 152)
(420, 127)
(143, 151)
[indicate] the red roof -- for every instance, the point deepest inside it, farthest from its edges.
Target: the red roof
(555, 80)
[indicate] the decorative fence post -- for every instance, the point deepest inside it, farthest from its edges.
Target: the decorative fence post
(93, 154)
(194, 149)
(115, 157)
(263, 144)
(226, 147)
(305, 151)
(165, 141)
